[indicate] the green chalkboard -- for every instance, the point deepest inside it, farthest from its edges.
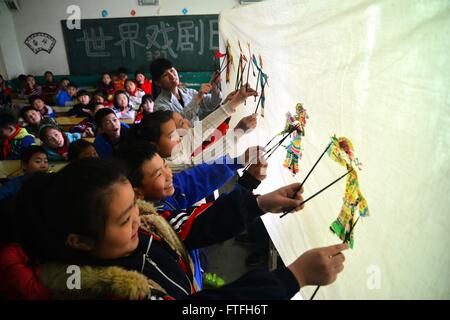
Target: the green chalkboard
(106, 44)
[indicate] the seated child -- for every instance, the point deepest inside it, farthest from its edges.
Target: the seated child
(81, 149)
(110, 132)
(120, 232)
(87, 127)
(5, 93)
(13, 138)
(49, 88)
(56, 142)
(106, 87)
(31, 88)
(99, 98)
(34, 119)
(66, 95)
(142, 82)
(38, 103)
(119, 82)
(33, 159)
(134, 94)
(145, 107)
(122, 106)
(79, 110)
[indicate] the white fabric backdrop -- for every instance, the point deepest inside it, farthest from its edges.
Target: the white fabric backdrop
(378, 73)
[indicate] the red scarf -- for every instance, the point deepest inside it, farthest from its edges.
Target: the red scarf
(134, 92)
(7, 142)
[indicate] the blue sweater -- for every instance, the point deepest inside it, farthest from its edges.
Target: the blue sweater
(62, 97)
(12, 187)
(194, 184)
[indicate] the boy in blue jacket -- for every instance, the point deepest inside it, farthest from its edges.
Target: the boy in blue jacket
(33, 159)
(175, 196)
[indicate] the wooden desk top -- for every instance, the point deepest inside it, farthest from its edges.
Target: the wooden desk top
(8, 168)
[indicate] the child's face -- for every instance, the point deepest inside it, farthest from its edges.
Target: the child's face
(140, 78)
(89, 152)
(120, 237)
(169, 79)
(72, 91)
(54, 138)
(5, 132)
(157, 183)
(30, 82)
(147, 106)
(180, 122)
(98, 99)
(64, 83)
(111, 126)
(33, 117)
(39, 104)
(169, 139)
(106, 79)
(97, 107)
(49, 77)
(38, 162)
(84, 100)
(130, 86)
(122, 100)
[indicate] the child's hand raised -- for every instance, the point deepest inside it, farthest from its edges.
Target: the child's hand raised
(252, 155)
(247, 124)
(282, 199)
(204, 89)
(258, 170)
(244, 92)
(319, 266)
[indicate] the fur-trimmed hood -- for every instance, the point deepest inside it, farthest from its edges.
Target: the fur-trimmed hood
(107, 282)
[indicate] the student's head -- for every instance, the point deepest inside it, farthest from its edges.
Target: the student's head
(180, 121)
(22, 79)
(120, 100)
(88, 209)
(81, 149)
(64, 82)
(130, 85)
(8, 123)
(95, 107)
(72, 90)
(159, 128)
(98, 97)
(48, 75)
(31, 115)
(84, 97)
(164, 74)
(52, 136)
(34, 159)
(147, 171)
(108, 123)
(30, 81)
(122, 73)
(139, 76)
(146, 104)
(37, 102)
(106, 78)
(1, 80)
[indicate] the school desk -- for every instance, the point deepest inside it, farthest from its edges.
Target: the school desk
(8, 168)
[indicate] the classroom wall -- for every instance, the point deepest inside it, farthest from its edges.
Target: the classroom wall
(10, 60)
(45, 16)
